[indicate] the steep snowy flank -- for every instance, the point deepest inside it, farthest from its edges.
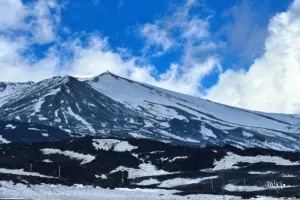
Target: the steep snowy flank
(179, 117)
(157, 100)
(8, 88)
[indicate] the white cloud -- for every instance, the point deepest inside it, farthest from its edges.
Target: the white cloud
(12, 14)
(15, 67)
(46, 18)
(189, 33)
(37, 21)
(157, 38)
(196, 29)
(189, 81)
(97, 57)
(272, 83)
(21, 26)
(178, 29)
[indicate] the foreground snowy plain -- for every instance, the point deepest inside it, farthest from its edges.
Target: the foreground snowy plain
(79, 192)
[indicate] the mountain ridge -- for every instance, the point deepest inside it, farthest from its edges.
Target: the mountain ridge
(110, 105)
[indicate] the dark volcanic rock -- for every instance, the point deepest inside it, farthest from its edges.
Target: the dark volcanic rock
(173, 167)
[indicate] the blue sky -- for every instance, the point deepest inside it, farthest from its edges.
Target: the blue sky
(220, 50)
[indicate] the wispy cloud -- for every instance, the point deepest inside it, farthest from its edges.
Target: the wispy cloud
(245, 29)
(121, 3)
(188, 32)
(158, 40)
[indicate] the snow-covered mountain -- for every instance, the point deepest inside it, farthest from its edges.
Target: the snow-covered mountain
(109, 105)
(69, 104)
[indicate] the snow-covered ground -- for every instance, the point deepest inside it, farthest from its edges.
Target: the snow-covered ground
(269, 186)
(80, 192)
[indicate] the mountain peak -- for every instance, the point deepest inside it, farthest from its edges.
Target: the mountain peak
(107, 73)
(7, 88)
(58, 80)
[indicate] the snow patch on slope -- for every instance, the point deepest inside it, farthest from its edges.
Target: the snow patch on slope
(145, 169)
(84, 158)
(207, 132)
(150, 181)
(183, 181)
(38, 104)
(83, 121)
(10, 126)
(178, 158)
(22, 172)
(112, 144)
(3, 140)
(261, 173)
(230, 160)
(247, 188)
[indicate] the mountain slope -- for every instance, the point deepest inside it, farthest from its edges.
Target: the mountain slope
(136, 94)
(200, 119)
(109, 105)
(69, 104)
(15, 131)
(9, 88)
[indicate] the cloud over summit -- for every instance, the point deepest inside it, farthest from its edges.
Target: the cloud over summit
(35, 44)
